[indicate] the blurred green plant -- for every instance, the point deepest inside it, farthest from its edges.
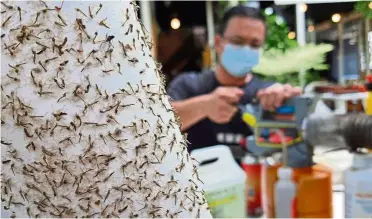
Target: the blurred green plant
(283, 59)
(283, 67)
(277, 34)
(221, 7)
(363, 8)
(275, 62)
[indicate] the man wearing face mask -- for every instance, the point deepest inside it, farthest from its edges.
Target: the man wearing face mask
(207, 102)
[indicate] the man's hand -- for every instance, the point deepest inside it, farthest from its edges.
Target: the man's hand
(221, 104)
(274, 96)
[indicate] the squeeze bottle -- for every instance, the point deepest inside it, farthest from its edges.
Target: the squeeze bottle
(285, 193)
(358, 187)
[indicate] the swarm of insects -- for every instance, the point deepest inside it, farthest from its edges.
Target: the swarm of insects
(87, 128)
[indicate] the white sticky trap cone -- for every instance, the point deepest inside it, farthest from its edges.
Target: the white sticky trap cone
(87, 129)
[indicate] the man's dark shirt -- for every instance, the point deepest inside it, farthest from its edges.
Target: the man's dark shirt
(205, 132)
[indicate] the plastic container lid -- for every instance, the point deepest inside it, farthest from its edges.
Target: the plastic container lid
(249, 159)
(285, 173)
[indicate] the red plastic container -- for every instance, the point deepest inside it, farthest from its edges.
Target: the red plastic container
(252, 168)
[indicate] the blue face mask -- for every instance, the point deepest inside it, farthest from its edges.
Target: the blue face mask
(239, 60)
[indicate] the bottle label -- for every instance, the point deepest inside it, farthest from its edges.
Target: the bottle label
(358, 199)
(227, 202)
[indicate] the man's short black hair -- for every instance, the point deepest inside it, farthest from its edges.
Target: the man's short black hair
(240, 11)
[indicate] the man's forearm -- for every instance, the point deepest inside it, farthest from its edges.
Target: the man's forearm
(191, 110)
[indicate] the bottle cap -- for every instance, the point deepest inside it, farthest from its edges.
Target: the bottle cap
(285, 173)
(249, 159)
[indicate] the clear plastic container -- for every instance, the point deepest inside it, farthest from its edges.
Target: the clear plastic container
(285, 193)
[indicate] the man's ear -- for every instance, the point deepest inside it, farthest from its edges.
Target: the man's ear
(218, 44)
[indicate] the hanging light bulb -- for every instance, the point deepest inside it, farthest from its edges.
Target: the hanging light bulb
(175, 23)
(336, 18)
(269, 11)
(303, 7)
(291, 35)
(279, 20)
